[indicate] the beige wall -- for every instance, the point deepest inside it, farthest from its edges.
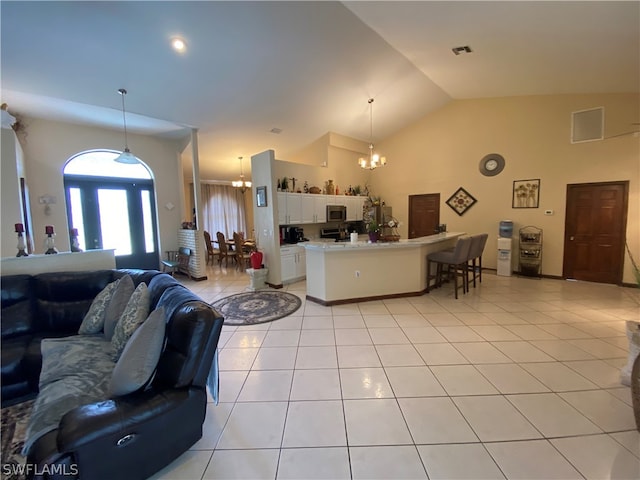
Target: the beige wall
(333, 157)
(50, 144)
(442, 152)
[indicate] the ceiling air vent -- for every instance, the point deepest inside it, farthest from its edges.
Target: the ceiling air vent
(276, 130)
(587, 125)
(463, 49)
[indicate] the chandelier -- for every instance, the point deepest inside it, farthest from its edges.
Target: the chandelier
(126, 156)
(242, 184)
(374, 160)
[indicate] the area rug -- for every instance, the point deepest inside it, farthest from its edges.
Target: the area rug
(14, 427)
(249, 308)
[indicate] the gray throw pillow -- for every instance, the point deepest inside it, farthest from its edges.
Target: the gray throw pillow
(116, 306)
(93, 321)
(135, 312)
(140, 356)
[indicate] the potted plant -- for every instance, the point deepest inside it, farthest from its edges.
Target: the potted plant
(373, 229)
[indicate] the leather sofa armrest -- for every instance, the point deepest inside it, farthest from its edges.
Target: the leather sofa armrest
(113, 420)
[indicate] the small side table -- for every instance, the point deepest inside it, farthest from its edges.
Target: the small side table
(258, 278)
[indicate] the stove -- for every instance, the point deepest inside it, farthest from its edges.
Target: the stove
(338, 234)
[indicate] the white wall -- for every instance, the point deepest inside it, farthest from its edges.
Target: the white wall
(265, 219)
(50, 144)
(11, 209)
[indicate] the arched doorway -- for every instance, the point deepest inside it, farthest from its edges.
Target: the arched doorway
(112, 206)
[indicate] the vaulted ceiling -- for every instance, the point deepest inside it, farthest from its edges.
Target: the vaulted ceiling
(303, 67)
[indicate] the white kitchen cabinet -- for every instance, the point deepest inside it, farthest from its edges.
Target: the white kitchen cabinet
(334, 199)
(314, 208)
(301, 264)
(354, 208)
(288, 267)
(307, 208)
(293, 263)
(289, 208)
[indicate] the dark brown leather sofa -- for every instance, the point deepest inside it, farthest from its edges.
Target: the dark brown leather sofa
(130, 436)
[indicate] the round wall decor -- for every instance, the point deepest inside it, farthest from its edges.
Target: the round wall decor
(491, 164)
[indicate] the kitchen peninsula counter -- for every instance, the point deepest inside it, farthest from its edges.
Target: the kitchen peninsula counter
(345, 272)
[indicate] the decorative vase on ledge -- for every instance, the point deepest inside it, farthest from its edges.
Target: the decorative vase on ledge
(374, 236)
(331, 188)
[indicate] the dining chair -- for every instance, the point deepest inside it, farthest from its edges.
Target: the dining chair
(211, 252)
(178, 261)
(225, 253)
(455, 262)
(478, 243)
(242, 256)
(248, 246)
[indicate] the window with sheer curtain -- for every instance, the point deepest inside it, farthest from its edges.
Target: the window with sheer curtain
(223, 210)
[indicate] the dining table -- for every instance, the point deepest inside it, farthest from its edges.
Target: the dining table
(248, 245)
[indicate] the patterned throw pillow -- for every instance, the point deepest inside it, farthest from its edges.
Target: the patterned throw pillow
(116, 306)
(140, 356)
(135, 312)
(93, 321)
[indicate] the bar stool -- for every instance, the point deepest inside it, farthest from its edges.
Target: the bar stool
(478, 243)
(455, 260)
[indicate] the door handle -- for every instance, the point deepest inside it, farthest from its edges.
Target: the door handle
(572, 238)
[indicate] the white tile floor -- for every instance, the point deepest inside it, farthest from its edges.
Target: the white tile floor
(518, 379)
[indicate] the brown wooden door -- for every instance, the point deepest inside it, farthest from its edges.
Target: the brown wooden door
(595, 226)
(424, 214)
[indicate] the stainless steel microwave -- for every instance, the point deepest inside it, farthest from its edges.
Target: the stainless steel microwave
(336, 213)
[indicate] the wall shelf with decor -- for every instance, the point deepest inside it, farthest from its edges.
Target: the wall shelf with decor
(62, 262)
(530, 251)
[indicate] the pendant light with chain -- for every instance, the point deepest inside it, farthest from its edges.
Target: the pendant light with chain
(374, 160)
(126, 156)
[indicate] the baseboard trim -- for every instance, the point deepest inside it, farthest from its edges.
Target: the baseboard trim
(329, 303)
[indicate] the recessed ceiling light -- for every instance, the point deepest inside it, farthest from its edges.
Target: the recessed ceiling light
(178, 44)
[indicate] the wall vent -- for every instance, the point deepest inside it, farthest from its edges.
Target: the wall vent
(587, 125)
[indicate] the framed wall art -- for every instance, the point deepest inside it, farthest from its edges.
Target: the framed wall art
(261, 196)
(526, 193)
(461, 201)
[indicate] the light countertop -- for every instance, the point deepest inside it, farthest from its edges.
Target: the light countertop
(361, 244)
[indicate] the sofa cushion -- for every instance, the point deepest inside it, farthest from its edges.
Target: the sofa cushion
(135, 312)
(140, 356)
(13, 352)
(57, 398)
(16, 288)
(68, 356)
(17, 319)
(121, 295)
(158, 285)
(75, 371)
(63, 298)
(93, 321)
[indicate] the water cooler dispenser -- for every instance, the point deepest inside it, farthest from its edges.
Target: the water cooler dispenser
(504, 248)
